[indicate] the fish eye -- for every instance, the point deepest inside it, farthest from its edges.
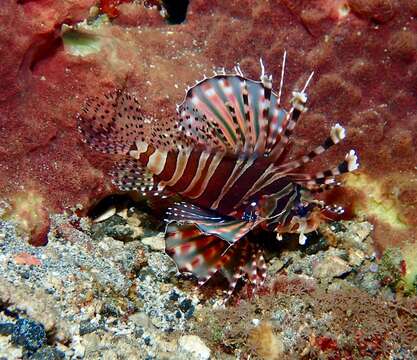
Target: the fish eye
(302, 209)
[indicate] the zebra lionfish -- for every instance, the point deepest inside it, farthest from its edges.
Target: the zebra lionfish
(223, 156)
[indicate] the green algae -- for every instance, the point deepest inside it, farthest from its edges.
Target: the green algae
(80, 39)
(79, 44)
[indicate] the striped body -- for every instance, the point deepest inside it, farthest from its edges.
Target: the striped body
(223, 156)
(212, 181)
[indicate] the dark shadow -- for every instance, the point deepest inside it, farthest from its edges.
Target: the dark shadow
(176, 9)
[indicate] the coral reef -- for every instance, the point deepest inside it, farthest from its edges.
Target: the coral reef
(49, 68)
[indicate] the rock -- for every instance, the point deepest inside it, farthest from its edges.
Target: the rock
(161, 265)
(115, 227)
(174, 296)
(6, 328)
(314, 247)
(29, 334)
(109, 309)
(185, 305)
(87, 327)
(48, 353)
(193, 348)
(141, 319)
(156, 242)
(357, 232)
(356, 257)
(347, 234)
(367, 281)
(330, 267)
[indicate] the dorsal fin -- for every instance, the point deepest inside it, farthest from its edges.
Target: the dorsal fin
(229, 112)
(114, 123)
(111, 123)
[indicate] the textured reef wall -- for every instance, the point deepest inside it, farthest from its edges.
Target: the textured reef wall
(363, 51)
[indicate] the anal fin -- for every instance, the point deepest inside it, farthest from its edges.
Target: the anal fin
(205, 255)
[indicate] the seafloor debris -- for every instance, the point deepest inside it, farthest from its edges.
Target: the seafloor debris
(94, 296)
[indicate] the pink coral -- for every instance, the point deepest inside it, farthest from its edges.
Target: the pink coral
(363, 53)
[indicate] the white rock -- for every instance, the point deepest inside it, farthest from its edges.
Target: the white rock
(156, 242)
(330, 267)
(193, 348)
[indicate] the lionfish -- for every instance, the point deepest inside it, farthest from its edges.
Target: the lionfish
(223, 156)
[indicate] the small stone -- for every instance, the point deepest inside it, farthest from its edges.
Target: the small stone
(25, 258)
(147, 340)
(185, 304)
(29, 334)
(109, 309)
(373, 268)
(48, 353)
(141, 319)
(6, 328)
(139, 332)
(156, 242)
(368, 282)
(193, 348)
(174, 296)
(87, 327)
(161, 266)
(25, 275)
(356, 257)
(121, 232)
(315, 246)
(279, 316)
(189, 313)
(330, 267)
(115, 227)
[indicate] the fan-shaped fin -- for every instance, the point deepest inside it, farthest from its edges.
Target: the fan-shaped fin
(204, 255)
(114, 124)
(194, 251)
(232, 113)
(130, 175)
(209, 222)
(111, 123)
(243, 260)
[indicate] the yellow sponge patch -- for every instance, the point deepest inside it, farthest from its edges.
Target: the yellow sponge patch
(376, 202)
(27, 209)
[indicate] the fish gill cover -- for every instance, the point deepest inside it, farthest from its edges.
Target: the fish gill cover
(225, 155)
